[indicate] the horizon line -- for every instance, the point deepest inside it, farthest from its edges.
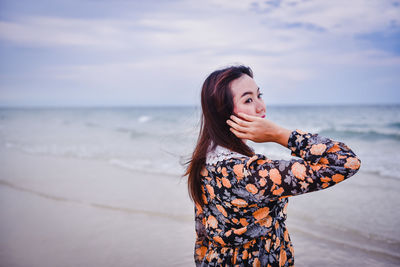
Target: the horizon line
(186, 106)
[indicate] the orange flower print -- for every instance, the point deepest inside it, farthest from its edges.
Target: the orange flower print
(325, 179)
(275, 176)
(337, 178)
(219, 183)
(315, 167)
(222, 210)
(266, 222)
(219, 240)
(282, 257)
(240, 231)
(238, 170)
(210, 190)
(201, 252)
(204, 199)
(278, 241)
(245, 255)
(318, 149)
(212, 222)
(239, 202)
(261, 161)
(334, 149)
(299, 170)
(211, 255)
(226, 182)
(243, 221)
(224, 172)
(251, 188)
(352, 163)
(256, 263)
(286, 235)
(261, 213)
(278, 191)
(323, 161)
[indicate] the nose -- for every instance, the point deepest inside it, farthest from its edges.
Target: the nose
(260, 108)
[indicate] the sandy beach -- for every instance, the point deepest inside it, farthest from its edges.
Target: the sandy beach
(71, 212)
(76, 212)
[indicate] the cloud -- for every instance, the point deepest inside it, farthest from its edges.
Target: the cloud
(269, 27)
(336, 17)
(53, 31)
(288, 43)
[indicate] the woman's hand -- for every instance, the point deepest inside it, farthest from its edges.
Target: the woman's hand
(258, 129)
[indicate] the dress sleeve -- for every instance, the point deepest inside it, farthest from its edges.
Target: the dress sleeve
(323, 163)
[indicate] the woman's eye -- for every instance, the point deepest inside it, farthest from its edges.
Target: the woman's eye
(260, 95)
(249, 100)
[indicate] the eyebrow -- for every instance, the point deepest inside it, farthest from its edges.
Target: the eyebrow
(249, 93)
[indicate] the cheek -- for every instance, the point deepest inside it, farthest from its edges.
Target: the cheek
(241, 108)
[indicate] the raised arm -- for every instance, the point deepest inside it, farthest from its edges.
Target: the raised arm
(323, 163)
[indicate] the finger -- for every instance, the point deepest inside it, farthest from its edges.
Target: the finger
(236, 126)
(238, 134)
(239, 121)
(247, 117)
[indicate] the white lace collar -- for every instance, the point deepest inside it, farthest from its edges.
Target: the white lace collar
(220, 153)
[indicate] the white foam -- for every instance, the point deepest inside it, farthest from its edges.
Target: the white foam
(143, 119)
(148, 166)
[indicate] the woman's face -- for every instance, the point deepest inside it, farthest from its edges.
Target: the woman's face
(247, 97)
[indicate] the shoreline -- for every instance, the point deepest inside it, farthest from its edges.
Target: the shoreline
(77, 212)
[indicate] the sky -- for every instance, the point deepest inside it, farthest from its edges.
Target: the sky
(158, 53)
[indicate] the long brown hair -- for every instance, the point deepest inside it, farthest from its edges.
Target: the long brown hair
(217, 106)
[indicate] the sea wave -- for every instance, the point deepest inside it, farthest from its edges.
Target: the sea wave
(362, 133)
(171, 164)
(395, 125)
(143, 119)
(147, 166)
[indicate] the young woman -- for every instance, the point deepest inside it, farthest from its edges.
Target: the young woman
(241, 197)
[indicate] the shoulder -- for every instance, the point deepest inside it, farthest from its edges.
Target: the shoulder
(225, 161)
(222, 154)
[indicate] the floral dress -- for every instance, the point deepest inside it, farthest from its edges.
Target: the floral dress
(242, 221)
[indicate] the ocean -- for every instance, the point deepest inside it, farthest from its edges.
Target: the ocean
(360, 215)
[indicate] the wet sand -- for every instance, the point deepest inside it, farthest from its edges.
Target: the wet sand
(75, 212)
